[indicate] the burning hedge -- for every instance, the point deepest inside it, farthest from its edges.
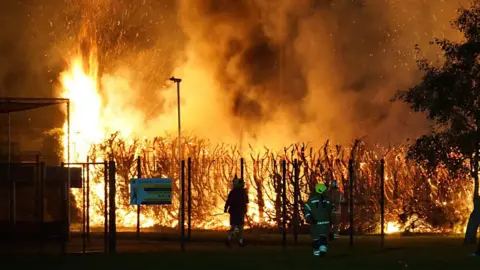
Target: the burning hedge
(416, 199)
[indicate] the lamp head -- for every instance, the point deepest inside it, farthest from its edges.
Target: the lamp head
(175, 80)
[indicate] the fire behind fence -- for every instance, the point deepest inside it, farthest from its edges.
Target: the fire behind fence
(414, 199)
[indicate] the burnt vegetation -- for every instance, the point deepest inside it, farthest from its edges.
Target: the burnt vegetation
(419, 198)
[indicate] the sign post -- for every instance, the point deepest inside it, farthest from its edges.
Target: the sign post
(150, 191)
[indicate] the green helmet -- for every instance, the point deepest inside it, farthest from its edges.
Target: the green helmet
(320, 188)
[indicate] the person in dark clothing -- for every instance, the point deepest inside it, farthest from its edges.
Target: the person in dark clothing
(236, 206)
(318, 212)
(337, 199)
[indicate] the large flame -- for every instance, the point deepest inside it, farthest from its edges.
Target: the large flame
(86, 107)
(392, 227)
(93, 120)
(96, 113)
(90, 123)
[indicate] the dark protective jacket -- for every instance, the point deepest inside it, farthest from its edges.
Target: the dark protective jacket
(318, 212)
(318, 209)
(237, 202)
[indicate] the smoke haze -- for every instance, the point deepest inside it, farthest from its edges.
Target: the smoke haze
(311, 70)
(267, 71)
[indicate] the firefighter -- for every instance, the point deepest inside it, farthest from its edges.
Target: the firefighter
(317, 213)
(337, 198)
(236, 206)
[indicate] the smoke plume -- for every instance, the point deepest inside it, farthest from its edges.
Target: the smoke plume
(269, 72)
(310, 70)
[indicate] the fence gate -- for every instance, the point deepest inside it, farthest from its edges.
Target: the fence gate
(91, 195)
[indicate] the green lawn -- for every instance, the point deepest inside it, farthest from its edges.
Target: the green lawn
(418, 252)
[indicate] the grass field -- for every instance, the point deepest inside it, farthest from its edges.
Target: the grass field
(413, 252)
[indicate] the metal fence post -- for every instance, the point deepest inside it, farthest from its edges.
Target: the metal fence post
(88, 197)
(42, 203)
(350, 197)
(105, 206)
(284, 203)
(296, 218)
(37, 186)
(139, 175)
(112, 204)
(182, 206)
(37, 198)
(189, 187)
(382, 201)
(242, 168)
(66, 229)
(84, 214)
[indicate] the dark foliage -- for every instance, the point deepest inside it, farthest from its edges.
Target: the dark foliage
(449, 95)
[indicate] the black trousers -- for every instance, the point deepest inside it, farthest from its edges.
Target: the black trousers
(237, 219)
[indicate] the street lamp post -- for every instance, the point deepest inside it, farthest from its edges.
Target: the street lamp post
(177, 81)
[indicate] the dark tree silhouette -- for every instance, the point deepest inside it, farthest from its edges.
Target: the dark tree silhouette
(449, 95)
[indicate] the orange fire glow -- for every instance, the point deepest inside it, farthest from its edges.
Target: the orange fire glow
(392, 227)
(93, 120)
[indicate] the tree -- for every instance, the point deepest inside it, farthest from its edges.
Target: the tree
(449, 95)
